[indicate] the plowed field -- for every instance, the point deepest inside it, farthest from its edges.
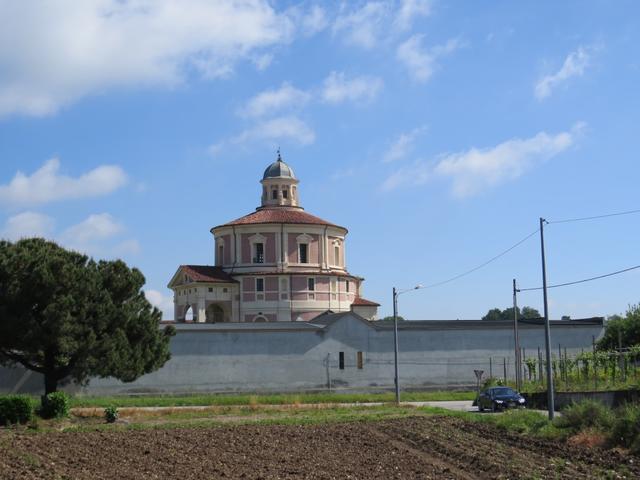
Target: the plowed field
(435, 447)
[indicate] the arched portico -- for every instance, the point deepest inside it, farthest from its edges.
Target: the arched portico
(215, 314)
(187, 315)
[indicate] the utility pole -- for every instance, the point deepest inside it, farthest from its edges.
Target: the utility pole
(547, 327)
(396, 294)
(395, 344)
(516, 338)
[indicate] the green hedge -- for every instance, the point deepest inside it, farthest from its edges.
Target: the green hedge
(55, 405)
(626, 427)
(15, 409)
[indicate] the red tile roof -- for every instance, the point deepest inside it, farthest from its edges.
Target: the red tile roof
(280, 215)
(207, 273)
(363, 302)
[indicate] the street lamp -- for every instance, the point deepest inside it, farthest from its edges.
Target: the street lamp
(396, 294)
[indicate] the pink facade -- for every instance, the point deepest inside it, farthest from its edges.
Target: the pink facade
(284, 285)
(248, 284)
(292, 253)
(299, 296)
(313, 248)
(322, 284)
(269, 247)
(227, 249)
(298, 283)
(271, 284)
(333, 260)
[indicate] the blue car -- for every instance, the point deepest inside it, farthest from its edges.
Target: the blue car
(500, 398)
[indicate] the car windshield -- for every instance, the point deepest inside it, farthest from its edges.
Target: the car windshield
(503, 391)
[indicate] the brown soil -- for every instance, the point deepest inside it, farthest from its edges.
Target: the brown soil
(416, 447)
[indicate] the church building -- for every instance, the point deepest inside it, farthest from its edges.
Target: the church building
(277, 264)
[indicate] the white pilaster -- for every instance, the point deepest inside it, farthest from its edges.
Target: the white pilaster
(202, 312)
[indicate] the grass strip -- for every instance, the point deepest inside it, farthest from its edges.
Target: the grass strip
(276, 399)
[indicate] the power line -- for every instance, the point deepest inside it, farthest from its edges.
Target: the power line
(568, 220)
(581, 281)
(449, 280)
(485, 263)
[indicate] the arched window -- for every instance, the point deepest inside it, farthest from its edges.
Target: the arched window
(260, 319)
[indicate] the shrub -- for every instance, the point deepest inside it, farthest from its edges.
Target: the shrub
(15, 409)
(523, 421)
(585, 414)
(626, 427)
(111, 414)
(493, 382)
(55, 405)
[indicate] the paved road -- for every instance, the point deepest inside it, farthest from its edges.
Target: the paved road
(457, 405)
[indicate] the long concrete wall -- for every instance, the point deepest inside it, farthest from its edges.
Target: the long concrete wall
(292, 357)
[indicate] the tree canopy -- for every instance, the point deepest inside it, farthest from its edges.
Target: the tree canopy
(626, 329)
(69, 317)
(495, 314)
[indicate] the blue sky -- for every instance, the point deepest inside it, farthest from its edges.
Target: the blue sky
(130, 128)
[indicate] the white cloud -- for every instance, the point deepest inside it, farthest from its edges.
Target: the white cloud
(280, 128)
(374, 22)
(475, 170)
(419, 61)
(127, 247)
(403, 145)
(27, 224)
(308, 21)
(53, 53)
(343, 173)
(97, 236)
(47, 185)
(93, 236)
(417, 174)
(314, 21)
(94, 227)
(271, 101)
(164, 303)
(409, 10)
(574, 66)
(337, 88)
(362, 27)
(262, 62)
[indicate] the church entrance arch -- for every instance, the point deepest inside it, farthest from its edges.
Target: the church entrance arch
(215, 314)
(187, 316)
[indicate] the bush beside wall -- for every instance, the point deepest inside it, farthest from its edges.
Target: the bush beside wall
(55, 405)
(15, 409)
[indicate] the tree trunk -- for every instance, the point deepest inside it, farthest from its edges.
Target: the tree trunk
(50, 383)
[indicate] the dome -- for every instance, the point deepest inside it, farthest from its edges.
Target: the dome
(278, 169)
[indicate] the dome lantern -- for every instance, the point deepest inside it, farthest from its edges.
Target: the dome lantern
(279, 185)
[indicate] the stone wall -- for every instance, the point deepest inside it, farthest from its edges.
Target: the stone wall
(296, 356)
